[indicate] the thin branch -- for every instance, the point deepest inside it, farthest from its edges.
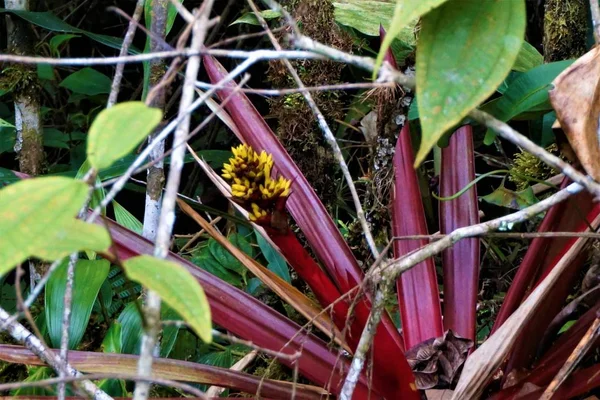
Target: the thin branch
(167, 214)
(52, 381)
(116, 83)
(283, 92)
(508, 235)
(595, 12)
(22, 335)
(66, 321)
(329, 136)
(86, 61)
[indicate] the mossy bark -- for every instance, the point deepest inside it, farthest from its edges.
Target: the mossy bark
(565, 29)
(298, 129)
(29, 139)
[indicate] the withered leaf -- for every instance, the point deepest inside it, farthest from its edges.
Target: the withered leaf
(575, 98)
(436, 361)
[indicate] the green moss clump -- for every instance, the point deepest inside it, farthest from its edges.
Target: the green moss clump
(565, 29)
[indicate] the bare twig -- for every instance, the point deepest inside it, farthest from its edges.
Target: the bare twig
(366, 338)
(595, 12)
(66, 321)
(329, 136)
(116, 83)
(86, 61)
(52, 381)
(320, 88)
(576, 356)
(167, 214)
(509, 235)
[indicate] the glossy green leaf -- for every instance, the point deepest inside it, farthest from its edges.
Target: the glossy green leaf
(89, 275)
(405, 12)
(176, 287)
(527, 58)
(527, 92)
(37, 218)
(510, 199)
(250, 18)
(127, 219)
(466, 48)
(276, 262)
(87, 81)
(116, 131)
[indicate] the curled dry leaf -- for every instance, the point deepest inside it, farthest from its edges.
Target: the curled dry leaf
(575, 98)
(436, 361)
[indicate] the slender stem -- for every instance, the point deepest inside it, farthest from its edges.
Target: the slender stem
(66, 321)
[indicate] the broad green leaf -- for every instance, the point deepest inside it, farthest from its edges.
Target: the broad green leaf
(118, 130)
(176, 287)
(37, 218)
(87, 81)
(57, 40)
(127, 219)
(527, 58)
(207, 262)
(405, 12)
(527, 92)
(466, 48)
(89, 275)
(276, 262)
(131, 329)
(55, 138)
(225, 258)
(250, 18)
(510, 199)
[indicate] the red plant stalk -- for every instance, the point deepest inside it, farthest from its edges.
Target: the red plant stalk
(461, 261)
(418, 296)
(526, 347)
(248, 318)
(320, 231)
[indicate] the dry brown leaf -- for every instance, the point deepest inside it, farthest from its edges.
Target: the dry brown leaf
(575, 98)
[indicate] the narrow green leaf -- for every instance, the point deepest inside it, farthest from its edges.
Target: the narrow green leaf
(250, 18)
(118, 130)
(37, 218)
(127, 219)
(112, 340)
(276, 262)
(527, 58)
(466, 48)
(89, 275)
(405, 12)
(36, 374)
(177, 288)
(87, 81)
(5, 124)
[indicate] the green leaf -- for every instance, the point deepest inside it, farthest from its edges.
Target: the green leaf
(466, 48)
(250, 18)
(527, 58)
(131, 329)
(566, 326)
(276, 262)
(170, 332)
(57, 40)
(405, 12)
(225, 258)
(5, 124)
(87, 81)
(55, 138)
(127, 219)
(89, 275)
(36, 374)
(112, 340)
(510, 199)
(176, 287)
(37, 218)
(116, 131)
(207, 262)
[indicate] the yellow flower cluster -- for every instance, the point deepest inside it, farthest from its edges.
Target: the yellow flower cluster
(251, 183)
